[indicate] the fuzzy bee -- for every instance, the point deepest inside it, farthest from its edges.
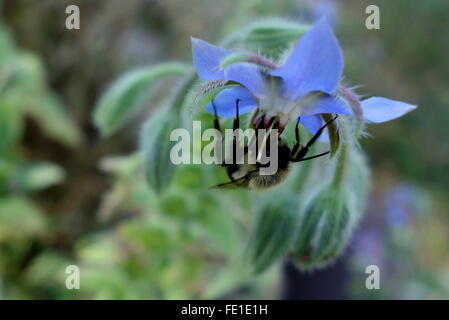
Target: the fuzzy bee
(248, 175)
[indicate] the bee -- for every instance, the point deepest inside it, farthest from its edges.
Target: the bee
(248, 175)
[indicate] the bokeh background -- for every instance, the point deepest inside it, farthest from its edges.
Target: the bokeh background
(68, 196)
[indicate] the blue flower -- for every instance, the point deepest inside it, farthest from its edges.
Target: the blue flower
(305, 86)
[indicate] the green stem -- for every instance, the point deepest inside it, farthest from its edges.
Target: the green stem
(340, 171)
(343, 159)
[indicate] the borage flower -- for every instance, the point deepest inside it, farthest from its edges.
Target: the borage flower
(304, 87)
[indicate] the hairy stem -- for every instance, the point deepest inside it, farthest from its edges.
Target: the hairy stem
(261, 61)
(340, 171)
(354, 102)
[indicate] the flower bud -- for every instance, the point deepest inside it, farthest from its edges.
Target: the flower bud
(358, 180)
(274, 230)
(324, 230)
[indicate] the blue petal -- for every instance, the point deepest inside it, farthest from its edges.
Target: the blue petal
(313, 123)
(379, 109)
(225, 102)
(315, 64)
(207, 59)
(248, 75)
(327, 104)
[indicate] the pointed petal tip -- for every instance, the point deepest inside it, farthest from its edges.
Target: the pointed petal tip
(316, 63)
(323, 21)
(198, 41)
(207, 59)
(380, 109)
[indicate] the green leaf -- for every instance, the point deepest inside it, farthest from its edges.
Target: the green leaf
(20, 218)
(24, 76)
(22, 83)
(274, 230)
(128, 94)
(39, 176)
(11, 125)
(6, 44)
(268, 37)
(49, 268)
(99, 249)
(218, 223)
(155, 138)
(156, 146)
(54, 120)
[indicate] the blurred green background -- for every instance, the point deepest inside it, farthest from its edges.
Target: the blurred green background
(68, 196)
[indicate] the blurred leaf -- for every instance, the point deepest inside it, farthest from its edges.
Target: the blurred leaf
(39, 176)
(29, 74)
(106, 283)
(274, 230)
(225, 281)
(54, 121)
(125, 166)
(7, 76)
(156, 146)
(155, 139)
(48, 267)
(128, 94)
(6, 170)
(22, 80)
(99, 249)
(20, 218)
(220, 225)
(6, 43)
(11, 125)
(153, 237)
